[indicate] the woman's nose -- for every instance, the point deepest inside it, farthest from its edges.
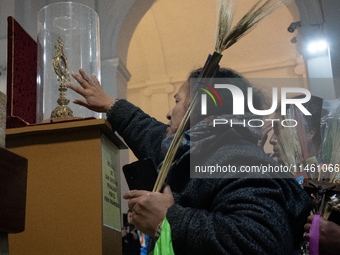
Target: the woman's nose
(168, 115)
(273, 140)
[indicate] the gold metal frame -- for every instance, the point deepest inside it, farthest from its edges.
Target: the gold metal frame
(60, 67)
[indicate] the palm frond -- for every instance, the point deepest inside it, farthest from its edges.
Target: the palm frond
(225, 19)
(225, 37)
(246, 23)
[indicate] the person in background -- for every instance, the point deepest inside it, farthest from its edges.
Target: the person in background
(130, 239)
(144, 241)
(314, 106)
(329, 232)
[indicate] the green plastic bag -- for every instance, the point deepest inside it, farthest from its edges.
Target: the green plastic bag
(163, 245)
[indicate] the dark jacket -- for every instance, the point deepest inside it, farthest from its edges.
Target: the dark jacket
(130, 245)
(226, 215)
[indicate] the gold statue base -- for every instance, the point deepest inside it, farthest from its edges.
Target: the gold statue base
(59, 119)
(62, 110)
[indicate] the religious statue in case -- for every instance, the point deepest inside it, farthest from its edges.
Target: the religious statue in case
(60, 67)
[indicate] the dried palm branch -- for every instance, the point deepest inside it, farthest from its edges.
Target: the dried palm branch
(225, 37)
(172, 152)
(331, 143)
(332, 205)
(302, 131)
(289, 141)
(286, 152)
(294, 137)
(335, 158)
(327, 146)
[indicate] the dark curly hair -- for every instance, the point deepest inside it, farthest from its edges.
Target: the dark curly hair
(231, 77)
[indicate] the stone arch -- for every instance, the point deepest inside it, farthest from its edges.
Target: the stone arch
(118, 22)
(131, 20)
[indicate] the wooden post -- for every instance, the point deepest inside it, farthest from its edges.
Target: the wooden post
(13, 181)
(4, 244)
(3, 100)
(3, 236)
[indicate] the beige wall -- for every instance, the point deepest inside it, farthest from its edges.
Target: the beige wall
(176, 36)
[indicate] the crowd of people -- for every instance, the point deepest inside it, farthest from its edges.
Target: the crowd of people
(233, 214)
(329, 232)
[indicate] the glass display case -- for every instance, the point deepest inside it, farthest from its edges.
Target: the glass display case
(68, 39)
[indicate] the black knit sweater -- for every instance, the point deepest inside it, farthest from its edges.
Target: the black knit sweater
(226, 215)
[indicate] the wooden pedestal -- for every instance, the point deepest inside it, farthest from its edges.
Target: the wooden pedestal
(73, 188)
(13, 183)
(13, 178)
